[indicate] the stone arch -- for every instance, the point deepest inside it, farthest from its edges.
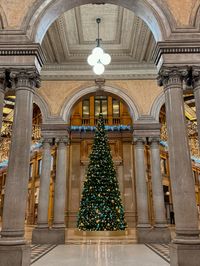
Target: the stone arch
(156, 106)
(73, 98)
(195, 15)
(44, 108)
(44, 13)
(3, 19)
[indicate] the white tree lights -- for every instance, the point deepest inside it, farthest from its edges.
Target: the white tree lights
(98, 59)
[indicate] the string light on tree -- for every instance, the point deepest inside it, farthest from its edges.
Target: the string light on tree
(98, 59)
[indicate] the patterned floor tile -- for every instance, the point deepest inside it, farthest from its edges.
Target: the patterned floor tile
(161, 249)
(38, 251)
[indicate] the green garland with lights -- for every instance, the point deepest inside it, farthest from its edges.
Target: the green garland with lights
(101, 206)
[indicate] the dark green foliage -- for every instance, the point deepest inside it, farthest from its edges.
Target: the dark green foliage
(101, 207)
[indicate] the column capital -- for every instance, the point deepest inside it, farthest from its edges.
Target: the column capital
(47, 140)
(154, 140)
(138, 141)
(63, 140)
(3, 83)
(25, 79)
(170, 77)
(195, 77)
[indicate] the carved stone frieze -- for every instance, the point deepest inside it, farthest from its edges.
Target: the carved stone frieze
(25, 78)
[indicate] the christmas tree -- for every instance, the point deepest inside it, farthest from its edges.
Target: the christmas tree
(101, 206)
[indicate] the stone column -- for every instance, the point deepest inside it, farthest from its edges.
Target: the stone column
(41, 231)
(2, 94)
(162, 234)
(60, 184)
(12, 233)
(187, 240)
(43, 201)
(196, 86)
(141, 189)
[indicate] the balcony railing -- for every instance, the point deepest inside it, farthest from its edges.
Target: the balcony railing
(112, 121)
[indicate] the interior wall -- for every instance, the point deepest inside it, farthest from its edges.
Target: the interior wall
(142, 92)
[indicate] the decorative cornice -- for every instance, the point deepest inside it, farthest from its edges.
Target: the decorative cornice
(55, 130)
(82, 72)
(175, 47)
(23, 50)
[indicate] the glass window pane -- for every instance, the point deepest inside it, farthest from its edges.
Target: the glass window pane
(86, 108)
(97, 107)
(104, 108)
(116, 108)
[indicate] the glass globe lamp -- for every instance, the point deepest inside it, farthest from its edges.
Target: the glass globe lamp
(98, 68)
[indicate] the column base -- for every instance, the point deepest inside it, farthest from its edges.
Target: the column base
(184, 255)
(153, 235)
(19, 255)
(48, 236)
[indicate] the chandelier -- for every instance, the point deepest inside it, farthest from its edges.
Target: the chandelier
(98, 59)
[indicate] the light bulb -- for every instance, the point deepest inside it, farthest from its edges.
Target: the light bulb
(98, 69)
(105, 59)
(92, 59)
(97, 51)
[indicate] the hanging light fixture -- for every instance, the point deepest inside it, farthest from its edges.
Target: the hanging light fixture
(98, 59)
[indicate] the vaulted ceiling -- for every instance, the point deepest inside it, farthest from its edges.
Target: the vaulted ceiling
(125, 36)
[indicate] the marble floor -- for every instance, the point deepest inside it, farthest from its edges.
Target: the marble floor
(101, 255)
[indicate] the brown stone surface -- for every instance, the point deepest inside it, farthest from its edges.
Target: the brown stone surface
(181, 10)
(142, 92)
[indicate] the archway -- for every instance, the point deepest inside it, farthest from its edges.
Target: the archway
(119, 132)
(72, 99)
(39, 19)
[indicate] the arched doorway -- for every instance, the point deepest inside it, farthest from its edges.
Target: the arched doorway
(118, 123)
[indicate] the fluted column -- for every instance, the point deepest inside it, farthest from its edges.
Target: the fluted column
(60, 183)
(16, 187)
(158, 197)
(141, 186)
(43, 202)
(2, 94)
(182, 182)
(196, 87)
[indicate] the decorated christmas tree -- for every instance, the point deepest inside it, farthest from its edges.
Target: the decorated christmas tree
(101, 206)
